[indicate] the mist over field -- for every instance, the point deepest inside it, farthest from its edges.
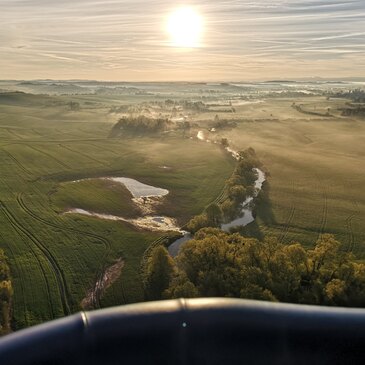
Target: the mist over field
(152, 151)
(76, 235)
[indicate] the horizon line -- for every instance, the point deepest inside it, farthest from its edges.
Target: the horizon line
(304, 79)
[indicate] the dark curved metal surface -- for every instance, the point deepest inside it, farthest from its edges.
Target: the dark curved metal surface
(194, 331)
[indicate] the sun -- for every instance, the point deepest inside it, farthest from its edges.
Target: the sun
(185, 28)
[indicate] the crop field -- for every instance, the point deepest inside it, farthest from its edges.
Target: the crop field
(314, 157)
(56, 258)
(316, 170)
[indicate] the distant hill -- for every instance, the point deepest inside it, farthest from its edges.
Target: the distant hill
(53, 88)
(24, 99)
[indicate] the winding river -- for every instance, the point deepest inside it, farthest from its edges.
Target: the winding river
(243, 220)
(246, 216)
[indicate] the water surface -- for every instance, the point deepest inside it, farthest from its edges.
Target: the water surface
(246, 216)
(243, 220)
(138, 189)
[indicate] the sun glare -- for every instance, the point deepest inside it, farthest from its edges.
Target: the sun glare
(185, 28)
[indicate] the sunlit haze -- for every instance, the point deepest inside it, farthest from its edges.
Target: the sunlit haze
(185, 28)
(196, 40)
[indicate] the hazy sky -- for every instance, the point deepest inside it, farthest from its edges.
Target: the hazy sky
(127, 40)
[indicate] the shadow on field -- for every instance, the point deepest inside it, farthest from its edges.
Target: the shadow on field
(263, 206)
(252, 230)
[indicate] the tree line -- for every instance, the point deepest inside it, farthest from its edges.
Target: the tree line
(139, 125)
(356, 95)
(237, 188)
(218, 264)
(353, 110)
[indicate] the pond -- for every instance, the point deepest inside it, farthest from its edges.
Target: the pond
(138, 189)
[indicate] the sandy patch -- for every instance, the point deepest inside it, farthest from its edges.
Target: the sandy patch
(147, 205)
(152, 223)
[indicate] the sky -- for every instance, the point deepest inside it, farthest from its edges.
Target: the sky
(126, 40)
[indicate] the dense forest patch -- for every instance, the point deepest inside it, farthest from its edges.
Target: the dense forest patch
(218, 264)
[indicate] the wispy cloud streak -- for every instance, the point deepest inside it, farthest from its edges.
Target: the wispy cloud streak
(126, 40)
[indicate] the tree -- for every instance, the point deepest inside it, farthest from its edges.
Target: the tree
(4, 271)
(336, 291)
(228, 208)
(198, 222)
(4, 268)
(237, 193)
(216, 263)
(224, 142)
(181, 287)
(324, 257)
(6, 291)
(214, 214)
(159, 270)
(235, 179)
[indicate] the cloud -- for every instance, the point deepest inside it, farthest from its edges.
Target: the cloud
(126, 39)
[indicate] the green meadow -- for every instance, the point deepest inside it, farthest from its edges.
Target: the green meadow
(56, 258)
(313, 156)
(316, 170)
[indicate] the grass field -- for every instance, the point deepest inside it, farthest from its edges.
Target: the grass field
(95, 195)
(316, 167)
(55, 259)
(315, 159)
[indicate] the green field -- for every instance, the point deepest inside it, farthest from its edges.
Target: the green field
(315, 159)
(314, 156)
(316, 167)
(55, 259)
(99, 196)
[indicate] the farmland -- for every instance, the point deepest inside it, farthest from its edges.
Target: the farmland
(56, 258)
(316, 172)
(314, 156)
